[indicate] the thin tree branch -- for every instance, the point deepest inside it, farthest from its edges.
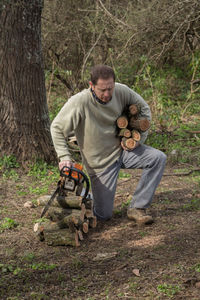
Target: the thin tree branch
(89, 52)
(113, 17)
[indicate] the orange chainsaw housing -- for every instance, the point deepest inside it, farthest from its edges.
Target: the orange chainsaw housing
(75, 174)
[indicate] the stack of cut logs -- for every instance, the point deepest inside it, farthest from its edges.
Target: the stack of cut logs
(68, 224)
(130, 126)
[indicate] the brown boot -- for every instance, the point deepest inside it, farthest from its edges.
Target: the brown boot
(139, 216)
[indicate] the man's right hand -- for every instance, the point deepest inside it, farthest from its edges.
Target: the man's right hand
(65, 163)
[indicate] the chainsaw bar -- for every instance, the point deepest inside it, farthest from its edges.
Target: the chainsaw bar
(50, 201)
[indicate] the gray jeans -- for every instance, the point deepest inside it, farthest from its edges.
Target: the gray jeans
(150, 160)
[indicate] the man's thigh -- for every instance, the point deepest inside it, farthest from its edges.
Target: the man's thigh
(141, 157)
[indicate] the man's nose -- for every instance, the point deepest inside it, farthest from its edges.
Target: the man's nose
(107, 93)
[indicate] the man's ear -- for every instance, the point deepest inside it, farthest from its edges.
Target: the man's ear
(91, 84)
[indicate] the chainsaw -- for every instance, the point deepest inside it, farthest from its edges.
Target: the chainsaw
(72, 179)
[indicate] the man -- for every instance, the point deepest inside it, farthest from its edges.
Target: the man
(92, 115)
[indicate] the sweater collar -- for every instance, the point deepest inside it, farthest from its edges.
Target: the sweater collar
(97, 99)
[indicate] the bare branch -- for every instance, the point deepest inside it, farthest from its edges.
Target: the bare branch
(113, 17)
(89, 53)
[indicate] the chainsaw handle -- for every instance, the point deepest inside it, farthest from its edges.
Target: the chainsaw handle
(79, 172)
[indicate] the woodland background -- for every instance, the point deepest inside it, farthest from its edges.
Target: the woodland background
(153, 46)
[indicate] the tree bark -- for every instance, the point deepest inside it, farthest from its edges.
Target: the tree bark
(61, 238)
(69, 201)
(56, 214)
(140, 124)
(23, 107)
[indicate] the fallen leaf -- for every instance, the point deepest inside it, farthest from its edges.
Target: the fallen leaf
(136, 272)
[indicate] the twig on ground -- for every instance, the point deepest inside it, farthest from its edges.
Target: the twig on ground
(182, 174)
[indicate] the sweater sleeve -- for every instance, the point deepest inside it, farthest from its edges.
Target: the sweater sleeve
(64, 123)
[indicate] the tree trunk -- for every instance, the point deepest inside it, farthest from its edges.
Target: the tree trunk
(23, 107)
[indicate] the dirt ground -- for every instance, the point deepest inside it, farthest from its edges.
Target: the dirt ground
(117, 259)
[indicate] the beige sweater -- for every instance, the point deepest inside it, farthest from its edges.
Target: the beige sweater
(94, 125)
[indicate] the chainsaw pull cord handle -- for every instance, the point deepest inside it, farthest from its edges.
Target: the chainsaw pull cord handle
(79, 172)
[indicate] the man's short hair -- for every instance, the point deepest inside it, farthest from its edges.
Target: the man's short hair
(101, 71)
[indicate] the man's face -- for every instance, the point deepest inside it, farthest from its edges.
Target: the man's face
(104, 89)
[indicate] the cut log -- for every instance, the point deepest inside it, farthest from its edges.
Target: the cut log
(77, 244)
(125, 132)
(135, 135)
(68, 222)
(92, 222)
(52, 226)
(85, 226)
(78, 220)
(69, 201)
(80, 235)
(89, 213)
(133, 109)
(56, 214)
(122, 122)
(62, 237)
(142, 124)
(129, 143)
(38, 231)
(42, 201)
(83, 210)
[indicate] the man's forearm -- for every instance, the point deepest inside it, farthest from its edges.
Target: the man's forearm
(60, 143)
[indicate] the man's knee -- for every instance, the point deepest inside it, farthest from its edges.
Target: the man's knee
(158, 158)
(162, 157)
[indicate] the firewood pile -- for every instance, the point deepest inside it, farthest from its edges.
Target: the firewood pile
(66, 225)
(130, 126)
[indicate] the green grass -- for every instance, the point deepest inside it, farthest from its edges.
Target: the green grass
(197, 268)
(8, 162)
(7, 223)
(43, 266)
(168, 289)
(194, 204)
(123, 174)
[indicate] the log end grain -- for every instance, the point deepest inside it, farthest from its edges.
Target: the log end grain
(122, 122)
(129, 143)
(136, 135)
(133, 109)
(125, 132)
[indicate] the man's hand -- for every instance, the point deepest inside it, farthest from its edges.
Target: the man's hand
(65, 163)
(136, 145)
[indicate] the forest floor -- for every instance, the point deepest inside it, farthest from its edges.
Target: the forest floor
(117, 259)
